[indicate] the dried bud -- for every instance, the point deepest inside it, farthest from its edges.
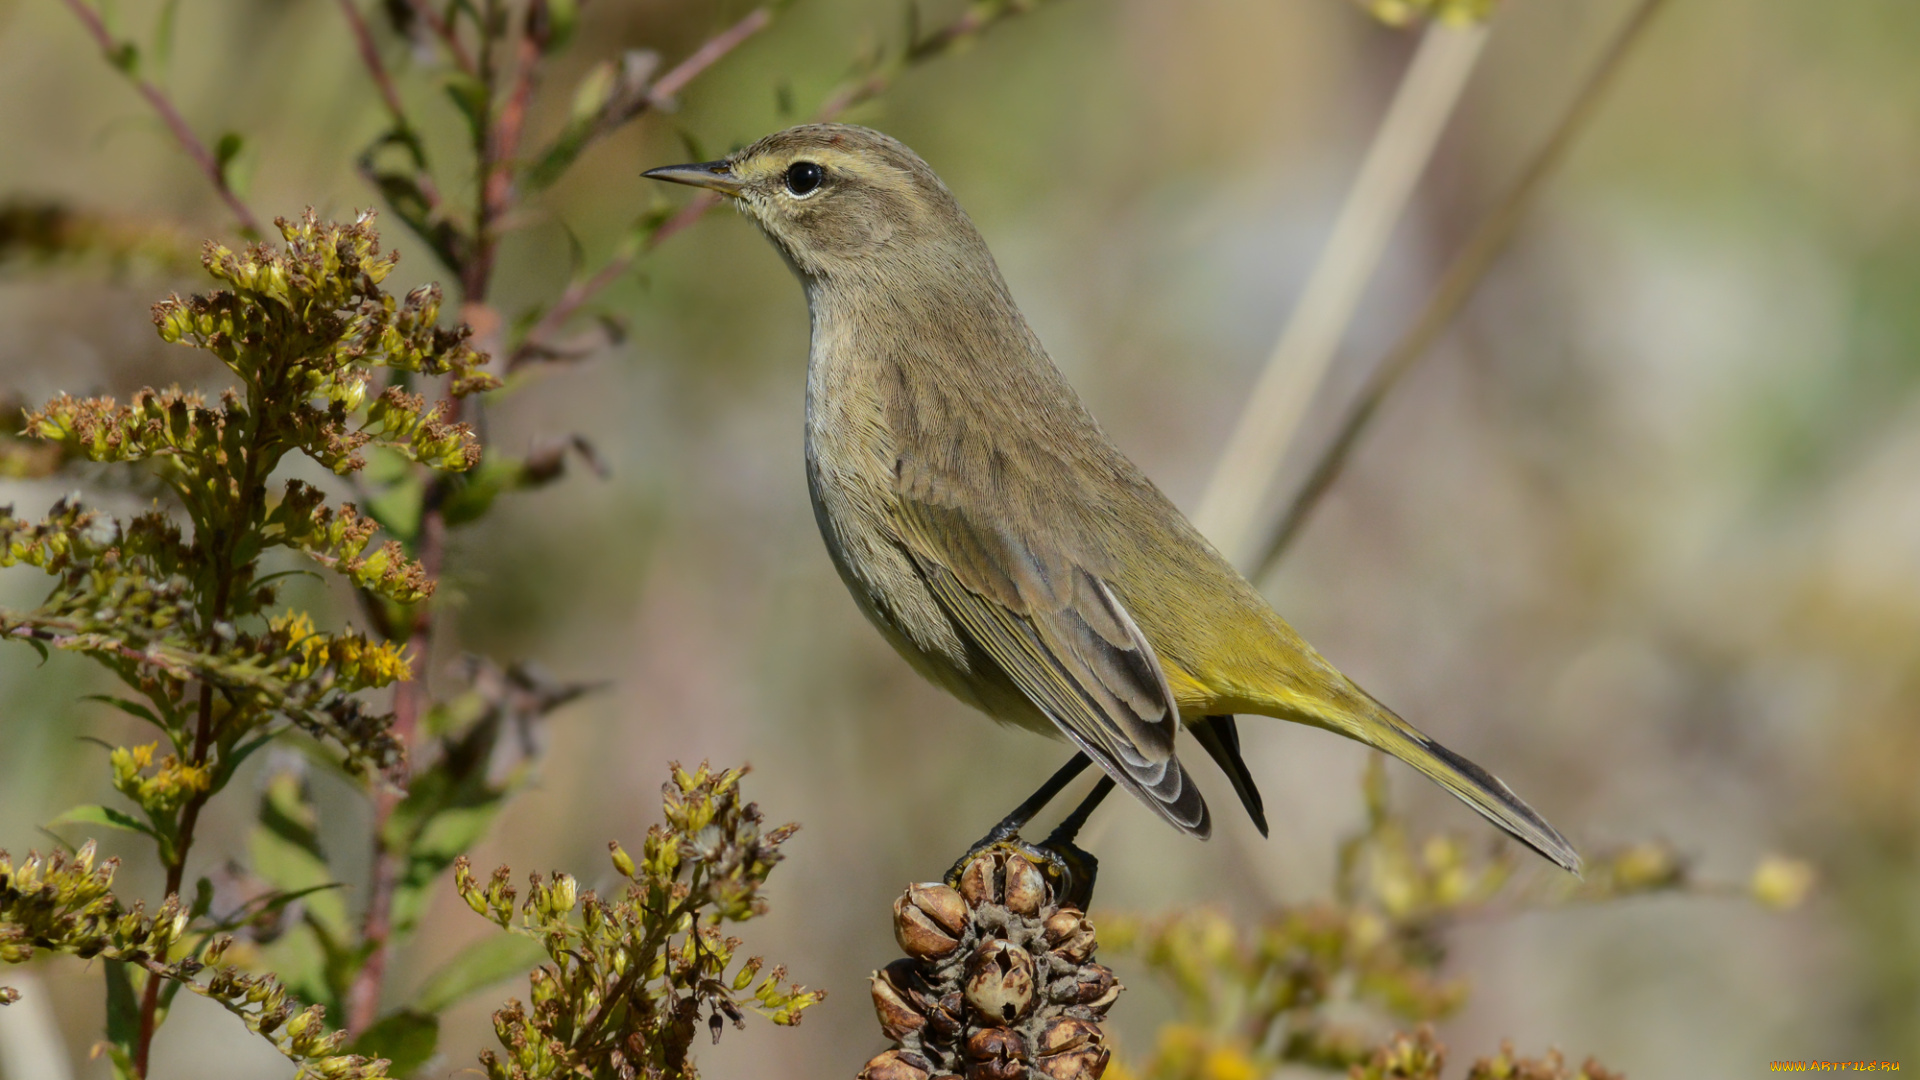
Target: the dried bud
(898, 1016)
(1086, 1063)
(942, 904)
(1071, 935)
(897, 1065)
(996, 1054)
(918, 934)
(1000, 981)
(977, 884)
(1026, 889)
(1091, 985)
(1070, 1049)
(1066, 1033)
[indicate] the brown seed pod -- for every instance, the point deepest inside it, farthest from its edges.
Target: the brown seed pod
(918, 934)
(1070, 934)
(897, 1065)
(996, 1054)
(1070, 1049)
(979, 882)
(1025, 890)
(1090, 985)
(1086, 1063)
(942, 904)
(897, 1012)
(998, 983)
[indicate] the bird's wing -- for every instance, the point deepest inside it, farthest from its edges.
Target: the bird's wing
(1057, 630)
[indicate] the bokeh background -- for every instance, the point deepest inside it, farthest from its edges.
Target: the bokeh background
(1643, 536)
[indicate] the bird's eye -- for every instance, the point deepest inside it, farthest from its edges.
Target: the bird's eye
(804, 176)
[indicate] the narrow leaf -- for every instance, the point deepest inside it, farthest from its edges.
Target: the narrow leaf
(128, 706)
(406, 1039)
(489, 961)
(91, 814)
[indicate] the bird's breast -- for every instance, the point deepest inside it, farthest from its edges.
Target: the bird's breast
(851, 455)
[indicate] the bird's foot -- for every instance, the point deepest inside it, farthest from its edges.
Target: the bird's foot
(1070, 870)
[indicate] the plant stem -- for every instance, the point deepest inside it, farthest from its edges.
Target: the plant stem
(224, 548)
(163, 105)
(495, 146)
(1463, 275)
(370, 56)
(1231, 510)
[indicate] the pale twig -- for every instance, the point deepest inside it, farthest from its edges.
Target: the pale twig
(1489, 238)
(209, 164)
(1231, 511)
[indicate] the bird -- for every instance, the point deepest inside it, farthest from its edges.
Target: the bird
(993, 533)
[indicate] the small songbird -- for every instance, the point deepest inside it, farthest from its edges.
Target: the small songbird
(984, 522)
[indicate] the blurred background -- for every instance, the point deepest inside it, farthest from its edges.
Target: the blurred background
(1642, 536)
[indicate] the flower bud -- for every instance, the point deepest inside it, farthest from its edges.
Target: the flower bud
(942, 904)
(565, 892)
(622, 861)
(897, 1065)
(1782, 883)
(898, 1017)
(918, 935)
(1000, 981)
(1026, 888)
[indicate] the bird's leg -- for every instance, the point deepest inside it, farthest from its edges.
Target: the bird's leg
(1071, 869)
(1011, 825)
(1073, 866)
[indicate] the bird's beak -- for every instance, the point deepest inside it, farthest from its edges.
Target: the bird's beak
(712, 175)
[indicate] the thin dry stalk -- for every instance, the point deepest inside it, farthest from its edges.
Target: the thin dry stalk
(1457, 285)
(1232, 509)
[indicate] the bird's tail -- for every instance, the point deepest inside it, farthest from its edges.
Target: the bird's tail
(1377, 726)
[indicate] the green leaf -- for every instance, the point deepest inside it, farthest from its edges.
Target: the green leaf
(398, 507)
(125, 56)
(470, 97)
(285, 850)
(446, 836)
(123, 1015)
(471, 494)
(91, 814)
(231, 760)
(562, 17)
(128, 706)
(163, 35)
(227, 149)
(492, 960)
(406, 1038)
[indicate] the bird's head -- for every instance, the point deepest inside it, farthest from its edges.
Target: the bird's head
(838, 200)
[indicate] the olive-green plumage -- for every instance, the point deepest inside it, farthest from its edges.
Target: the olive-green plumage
(989, 528)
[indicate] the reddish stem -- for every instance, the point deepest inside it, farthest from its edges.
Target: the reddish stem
(709, 54)
(176, 123)
(370, 56)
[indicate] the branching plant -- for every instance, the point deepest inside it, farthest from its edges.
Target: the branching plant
(373, 401)
(182, 603)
